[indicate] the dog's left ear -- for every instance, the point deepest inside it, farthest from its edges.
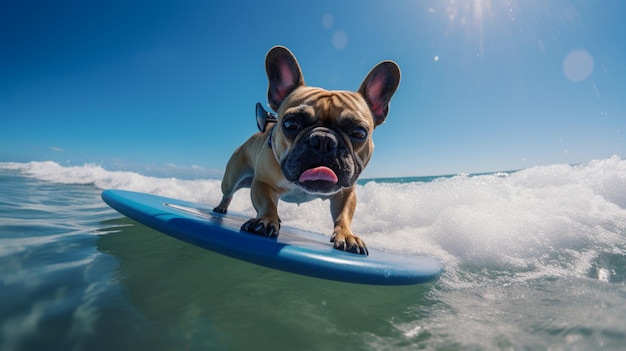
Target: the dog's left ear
(283, 73)
(378, 88)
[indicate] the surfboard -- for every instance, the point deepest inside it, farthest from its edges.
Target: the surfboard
(295, 250)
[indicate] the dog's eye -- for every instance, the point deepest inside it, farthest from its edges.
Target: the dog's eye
(358, 133)
(290, 124)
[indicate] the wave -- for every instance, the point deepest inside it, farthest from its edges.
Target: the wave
(558, 220)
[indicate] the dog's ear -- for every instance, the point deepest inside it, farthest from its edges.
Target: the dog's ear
(283, 73)
(378, 88)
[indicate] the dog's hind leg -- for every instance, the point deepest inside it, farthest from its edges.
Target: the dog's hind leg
(237, 175)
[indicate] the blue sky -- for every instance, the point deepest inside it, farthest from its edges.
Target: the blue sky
(486, 85)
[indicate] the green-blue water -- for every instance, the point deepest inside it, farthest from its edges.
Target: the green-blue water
(534, 259)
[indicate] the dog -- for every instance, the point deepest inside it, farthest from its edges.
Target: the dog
(318, 145)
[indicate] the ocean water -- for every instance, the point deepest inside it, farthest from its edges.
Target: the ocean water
(534, 260)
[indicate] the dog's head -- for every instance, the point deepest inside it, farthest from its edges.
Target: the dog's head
(323, 139)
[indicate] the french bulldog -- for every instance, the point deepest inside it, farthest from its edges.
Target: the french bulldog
(318, 145)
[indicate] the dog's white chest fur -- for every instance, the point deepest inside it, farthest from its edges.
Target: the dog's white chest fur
(298, 195)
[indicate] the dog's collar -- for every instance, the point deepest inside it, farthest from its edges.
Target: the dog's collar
(269, 143)
(263, 118)
(269, 140)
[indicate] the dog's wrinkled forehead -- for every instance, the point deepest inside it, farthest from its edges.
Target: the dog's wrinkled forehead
(327, 106)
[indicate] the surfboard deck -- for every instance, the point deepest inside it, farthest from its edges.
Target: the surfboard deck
(295, 250)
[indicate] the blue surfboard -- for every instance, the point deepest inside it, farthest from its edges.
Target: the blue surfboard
(296, 251)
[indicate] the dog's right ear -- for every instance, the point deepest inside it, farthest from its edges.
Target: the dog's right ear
(378, 88)
(283, 73)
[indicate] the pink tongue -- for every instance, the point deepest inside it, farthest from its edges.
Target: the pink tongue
(319, 173)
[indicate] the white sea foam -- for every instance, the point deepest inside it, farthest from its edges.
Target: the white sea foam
(543, 221)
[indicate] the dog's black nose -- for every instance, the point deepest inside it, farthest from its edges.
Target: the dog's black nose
(323, 141)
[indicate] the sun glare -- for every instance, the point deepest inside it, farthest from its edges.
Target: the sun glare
(475, 12)
(470, 16)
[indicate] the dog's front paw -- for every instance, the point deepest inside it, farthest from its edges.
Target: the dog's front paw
(349, 242)
(262, 226)
(219, 209)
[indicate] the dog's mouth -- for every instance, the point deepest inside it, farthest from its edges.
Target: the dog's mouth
(319, 180)
(319, 174)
